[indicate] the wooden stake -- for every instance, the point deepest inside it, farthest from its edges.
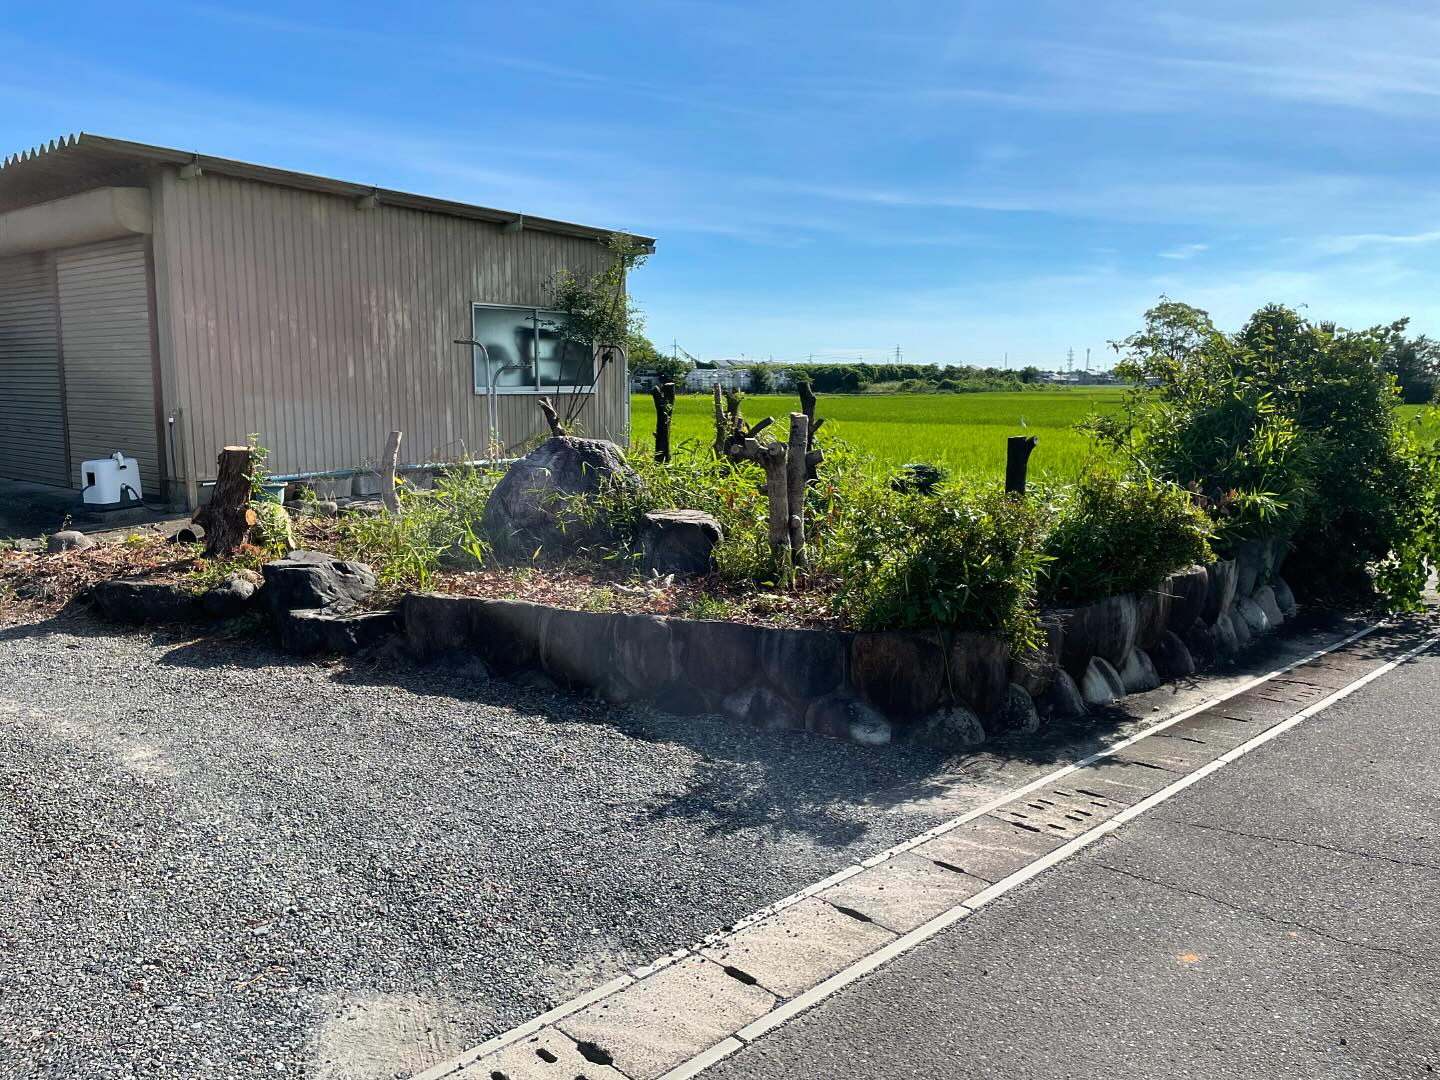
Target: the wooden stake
(228, 516)
(664, 395)
(1017, 461)
(389, 458)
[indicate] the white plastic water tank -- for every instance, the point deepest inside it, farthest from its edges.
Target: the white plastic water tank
(110, 482)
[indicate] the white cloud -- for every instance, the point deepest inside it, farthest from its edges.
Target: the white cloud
(1184, 251)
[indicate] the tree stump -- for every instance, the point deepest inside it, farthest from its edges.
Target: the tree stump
(664, 395)
(228, 516)
(1018, 449)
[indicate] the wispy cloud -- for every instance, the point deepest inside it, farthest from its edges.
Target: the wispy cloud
(1184, 251)
(1345, 245)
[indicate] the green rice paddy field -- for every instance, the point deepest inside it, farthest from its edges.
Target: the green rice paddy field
(964, 432)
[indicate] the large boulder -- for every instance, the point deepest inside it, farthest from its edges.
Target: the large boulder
(979, 671)
(1189, 593)
(844, 717)
(1105, 629)
(1284, 597)
(1034, 670)
(1266, 601)
(312, 630)
(1018, 716)
(805, 664)
(902, 674)
(1224, 577)
(531, 508)
(139, 601)
(313, 579)
(679, 542)
(1253, 615)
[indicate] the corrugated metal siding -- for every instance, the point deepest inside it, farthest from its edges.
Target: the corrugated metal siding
(109, 368)
(32, 420)
(321, 327)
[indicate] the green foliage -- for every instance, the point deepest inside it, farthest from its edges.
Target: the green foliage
(1287, 429)
(432, 528)
(966, 560)
(762, 379)
(1114, 535)
(1415, 364)
(272, 531)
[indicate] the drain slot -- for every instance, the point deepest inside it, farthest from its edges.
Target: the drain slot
(546, 1056)
(859, 916)
(740, 976)
(948, 866)
(596, 1055)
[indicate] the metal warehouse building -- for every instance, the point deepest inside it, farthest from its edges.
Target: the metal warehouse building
(164, 304)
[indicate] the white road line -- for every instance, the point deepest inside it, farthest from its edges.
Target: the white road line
(446, 1068)
(790, 1009)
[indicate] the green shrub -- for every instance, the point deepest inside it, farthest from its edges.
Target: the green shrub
(443, 524)
(1287, 429)
(964, 560)
(1114, 535)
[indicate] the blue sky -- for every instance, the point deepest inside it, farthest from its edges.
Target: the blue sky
(960, 179)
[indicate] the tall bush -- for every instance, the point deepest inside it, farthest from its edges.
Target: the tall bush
(1286, 429)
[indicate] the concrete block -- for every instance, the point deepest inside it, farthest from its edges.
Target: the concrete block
(666, 1018)
(988, 849)
(546, 1055)
(800, 947)
(904, 892)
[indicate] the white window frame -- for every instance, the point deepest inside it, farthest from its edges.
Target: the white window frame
(480, 373)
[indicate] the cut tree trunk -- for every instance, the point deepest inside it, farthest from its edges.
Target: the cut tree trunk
(795, 469)
(389, 458)
(807, 406)
(722, 432)
(557, 429)
(228, 516)
(1018, 449)
(664, 395)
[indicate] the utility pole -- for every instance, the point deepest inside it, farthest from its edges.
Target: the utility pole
(1007, 360)
(1087, 359)
(1070, 361)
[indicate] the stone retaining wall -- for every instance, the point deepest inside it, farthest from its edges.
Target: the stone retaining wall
(956, 688)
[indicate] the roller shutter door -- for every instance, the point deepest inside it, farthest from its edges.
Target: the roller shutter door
(32, 418)
(109, 370)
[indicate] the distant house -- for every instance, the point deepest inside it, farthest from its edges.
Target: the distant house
(727, 378)
(165, 304)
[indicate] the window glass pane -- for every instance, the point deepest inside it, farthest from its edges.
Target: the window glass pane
(509, 335)
(563, 363)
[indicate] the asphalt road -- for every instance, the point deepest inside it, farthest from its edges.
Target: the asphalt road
(1277, 919)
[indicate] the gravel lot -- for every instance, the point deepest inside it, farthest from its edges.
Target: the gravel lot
(219, 861)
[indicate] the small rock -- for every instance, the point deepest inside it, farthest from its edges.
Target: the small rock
(951, 728)
(1284, 598)
(762, 707)
(1172, 658)
(1062, 700)
(1253, 615)
(1018, 715)
(68, 540)
(679, 541)
(871, 731)
(231, 598)
(1138, 673)
(1102, 684)
(141, 601)
(1265, 600)
(31, 589)
(28, 545)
